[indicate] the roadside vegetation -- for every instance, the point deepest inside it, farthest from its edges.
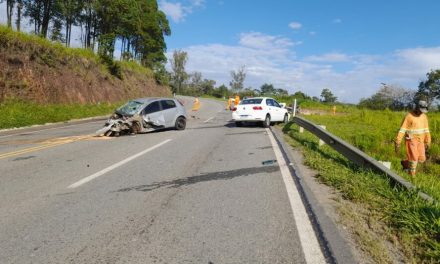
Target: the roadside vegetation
(383, 216)
(14, 113)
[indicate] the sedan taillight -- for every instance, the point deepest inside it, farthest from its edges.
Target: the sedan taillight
(257, 108)
(234, 109)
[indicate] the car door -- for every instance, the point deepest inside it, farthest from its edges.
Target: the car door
(169, 110)
(153, 114)
(273, 110)
(280, 112)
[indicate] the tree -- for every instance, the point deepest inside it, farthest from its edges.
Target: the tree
(281, 92)
(221, 91)
(70, 11)
(391, 97)
(179, 75)
(429, 90)
(207, 86)
(9, 11)
(238, 78)
(88, 21)
(19, 14)
(34, 10)
(48, 11)
(327, 96)
(195, 83)
(301, 95)
(41, 14)
(267, 89)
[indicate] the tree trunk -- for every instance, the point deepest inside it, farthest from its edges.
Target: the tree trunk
(9, 11)
(47, 8)
(19, 8)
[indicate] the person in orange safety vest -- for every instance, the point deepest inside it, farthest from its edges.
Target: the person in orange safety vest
(415, 129)
(237, 100)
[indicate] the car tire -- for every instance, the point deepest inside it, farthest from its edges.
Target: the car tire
(238, 124)
(286, 119)
(266, 122)
(180, 123)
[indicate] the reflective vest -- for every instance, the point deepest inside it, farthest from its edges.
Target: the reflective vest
(414, 127)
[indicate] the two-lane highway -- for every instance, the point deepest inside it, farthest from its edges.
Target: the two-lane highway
(213, 193)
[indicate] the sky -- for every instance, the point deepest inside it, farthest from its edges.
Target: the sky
(350, 47)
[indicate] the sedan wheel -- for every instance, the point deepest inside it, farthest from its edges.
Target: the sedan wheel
(286, 119)
(180, 123)
(266, 122)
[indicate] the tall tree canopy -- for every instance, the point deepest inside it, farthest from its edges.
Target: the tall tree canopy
(389, 96)
(238, 77)
(327, 96)
(179, 75)
(429, 90)
(138, 24)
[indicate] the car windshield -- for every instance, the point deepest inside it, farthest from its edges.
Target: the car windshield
(129, 108)
(251, 101)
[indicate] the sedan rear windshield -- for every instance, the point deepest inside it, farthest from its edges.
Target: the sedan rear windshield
(251, 101)
(129, 108)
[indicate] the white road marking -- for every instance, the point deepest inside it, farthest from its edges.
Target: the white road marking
(309, 242)
(36, 131)
(209, 119)
(114, 166)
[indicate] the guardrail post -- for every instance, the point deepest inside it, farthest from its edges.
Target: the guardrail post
(321, 142)
(387, 164)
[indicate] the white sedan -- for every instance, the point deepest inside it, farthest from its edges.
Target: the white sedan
(259, 109)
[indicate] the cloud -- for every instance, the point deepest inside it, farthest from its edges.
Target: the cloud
(329, 57)
(272, 59)
(295, 25)
(174, 10)
(198, 2)
(260, 41)
(177, 11)
(337, 21)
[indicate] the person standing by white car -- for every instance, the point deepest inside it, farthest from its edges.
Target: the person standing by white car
(259, 109)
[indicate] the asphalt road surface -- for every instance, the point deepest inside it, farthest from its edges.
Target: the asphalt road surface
(213, 193)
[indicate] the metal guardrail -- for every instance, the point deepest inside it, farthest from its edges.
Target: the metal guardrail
(357, 156)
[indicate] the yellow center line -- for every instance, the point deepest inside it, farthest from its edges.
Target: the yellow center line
(47, 144)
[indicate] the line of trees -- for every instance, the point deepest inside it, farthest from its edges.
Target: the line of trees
(194, 83)
(398, 98)
(138, 24)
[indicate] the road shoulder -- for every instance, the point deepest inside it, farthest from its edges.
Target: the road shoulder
(323, 204)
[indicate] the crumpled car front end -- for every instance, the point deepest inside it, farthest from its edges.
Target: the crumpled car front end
(118, 125)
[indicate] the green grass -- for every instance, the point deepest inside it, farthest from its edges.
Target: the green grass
(404, 217)
(18, 113)
(374, 132)
(44, 47)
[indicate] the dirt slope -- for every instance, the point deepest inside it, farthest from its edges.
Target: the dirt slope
(43, 72)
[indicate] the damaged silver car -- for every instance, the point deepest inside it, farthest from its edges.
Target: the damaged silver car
(145, 115)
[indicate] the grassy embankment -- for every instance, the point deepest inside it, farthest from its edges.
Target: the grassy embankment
(19, 113)
(382, 215)
(37, 71)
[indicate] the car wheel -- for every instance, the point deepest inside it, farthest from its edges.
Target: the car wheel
(238, 123)
(266, 122)
(286, 119)
(180, 123)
